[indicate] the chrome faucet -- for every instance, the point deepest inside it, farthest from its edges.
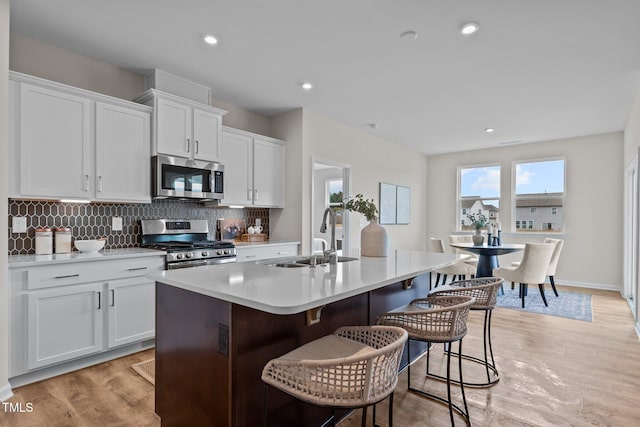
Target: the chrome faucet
(330, 253)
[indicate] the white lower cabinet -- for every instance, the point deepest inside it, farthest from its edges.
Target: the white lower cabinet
(64, 323)
(265, 251)
(130, 316)
(62, 312)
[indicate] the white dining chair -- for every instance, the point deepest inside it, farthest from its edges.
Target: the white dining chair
(460, 270)
(553, 264)
(532, 269)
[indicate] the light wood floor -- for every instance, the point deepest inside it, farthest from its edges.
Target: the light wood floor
(554, 372)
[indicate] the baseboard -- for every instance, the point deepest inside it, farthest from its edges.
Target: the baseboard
(601, 286)
(5, 392)
(74, 365)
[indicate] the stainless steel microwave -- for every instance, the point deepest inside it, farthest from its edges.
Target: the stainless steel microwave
(176, 177)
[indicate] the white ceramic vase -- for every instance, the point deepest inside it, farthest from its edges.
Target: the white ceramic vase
(374, 240)
(478, 238)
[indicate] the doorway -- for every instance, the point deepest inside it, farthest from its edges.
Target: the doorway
(329, 187)
(631, 237)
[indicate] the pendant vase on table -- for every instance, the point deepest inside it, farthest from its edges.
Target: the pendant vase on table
(374, 240)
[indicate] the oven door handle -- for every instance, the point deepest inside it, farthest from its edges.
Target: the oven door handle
(186, 264)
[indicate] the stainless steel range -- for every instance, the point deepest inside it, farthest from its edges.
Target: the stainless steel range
(185, 242)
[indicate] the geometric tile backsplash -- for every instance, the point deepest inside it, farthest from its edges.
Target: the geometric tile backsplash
(93, 221)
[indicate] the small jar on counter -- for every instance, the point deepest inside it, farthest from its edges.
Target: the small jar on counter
(63, 240)
(44, 241)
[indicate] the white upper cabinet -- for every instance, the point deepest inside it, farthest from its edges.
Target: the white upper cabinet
(236, 151)
(69, 143)
(182, 127)
(268, 173)
(173, 128)
(55, 142)
(253, 168)
(122, 153)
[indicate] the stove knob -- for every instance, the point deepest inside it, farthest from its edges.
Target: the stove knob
(220, 252)
(227, 251)
(205, 253)
(178, 256)
(189, 255)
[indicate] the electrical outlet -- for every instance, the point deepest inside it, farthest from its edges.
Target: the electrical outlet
(116, 223)
(18, 224)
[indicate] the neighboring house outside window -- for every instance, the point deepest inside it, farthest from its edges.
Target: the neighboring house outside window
(478, 192)
(539, 195)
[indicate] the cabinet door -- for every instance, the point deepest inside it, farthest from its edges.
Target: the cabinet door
(123, 147)
(268, 174)
(64, 323)
(206, 134)
(173, 127)
(55, 143)
(131, 307)
(235, 156)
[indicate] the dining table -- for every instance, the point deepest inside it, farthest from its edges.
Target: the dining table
(488, 255)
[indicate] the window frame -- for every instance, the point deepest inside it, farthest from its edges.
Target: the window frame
(514, 199)
(459, 216)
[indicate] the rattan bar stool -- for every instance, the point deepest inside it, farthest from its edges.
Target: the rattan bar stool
(441, 319)
(355, 367)
(485, 291)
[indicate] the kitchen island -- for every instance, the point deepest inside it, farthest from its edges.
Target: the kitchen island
(217, 326)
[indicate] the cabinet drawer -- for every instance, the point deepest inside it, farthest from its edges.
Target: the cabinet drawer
(83, 272)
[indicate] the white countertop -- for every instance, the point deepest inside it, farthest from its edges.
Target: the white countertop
(279, 290)
(17, 261)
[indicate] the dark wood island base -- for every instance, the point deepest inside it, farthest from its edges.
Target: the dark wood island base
(210, 354)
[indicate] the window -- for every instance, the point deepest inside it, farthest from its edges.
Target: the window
(517, 224)
(539, 195)
(478, 193)
(334, 192)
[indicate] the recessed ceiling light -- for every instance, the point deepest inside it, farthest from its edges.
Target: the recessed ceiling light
(409, 36)
(307, 86)
(489, 130)
(469, 28)
(210, 39)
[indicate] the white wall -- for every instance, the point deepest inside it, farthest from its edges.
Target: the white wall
(287, 223)
(632, 132)
(592, 254)
(41, 59)
(5, 389)
(372, 160)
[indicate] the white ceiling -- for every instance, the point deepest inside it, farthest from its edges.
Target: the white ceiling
(536, 70)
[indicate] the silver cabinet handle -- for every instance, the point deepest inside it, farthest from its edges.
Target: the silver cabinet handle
(251, 256)
(99, 300)
(67, 276)
(249, 194)
(255, 197)
(283, 253)
(113, 297)
(86, 183)
(188, 142)
(136, 268)
(100, 184)
(197, 146)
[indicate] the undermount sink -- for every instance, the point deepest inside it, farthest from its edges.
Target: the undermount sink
(308, 261)
(288, 265)
(322, 260)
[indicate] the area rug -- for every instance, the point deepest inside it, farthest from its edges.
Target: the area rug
(146, 370)
(571, 305)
